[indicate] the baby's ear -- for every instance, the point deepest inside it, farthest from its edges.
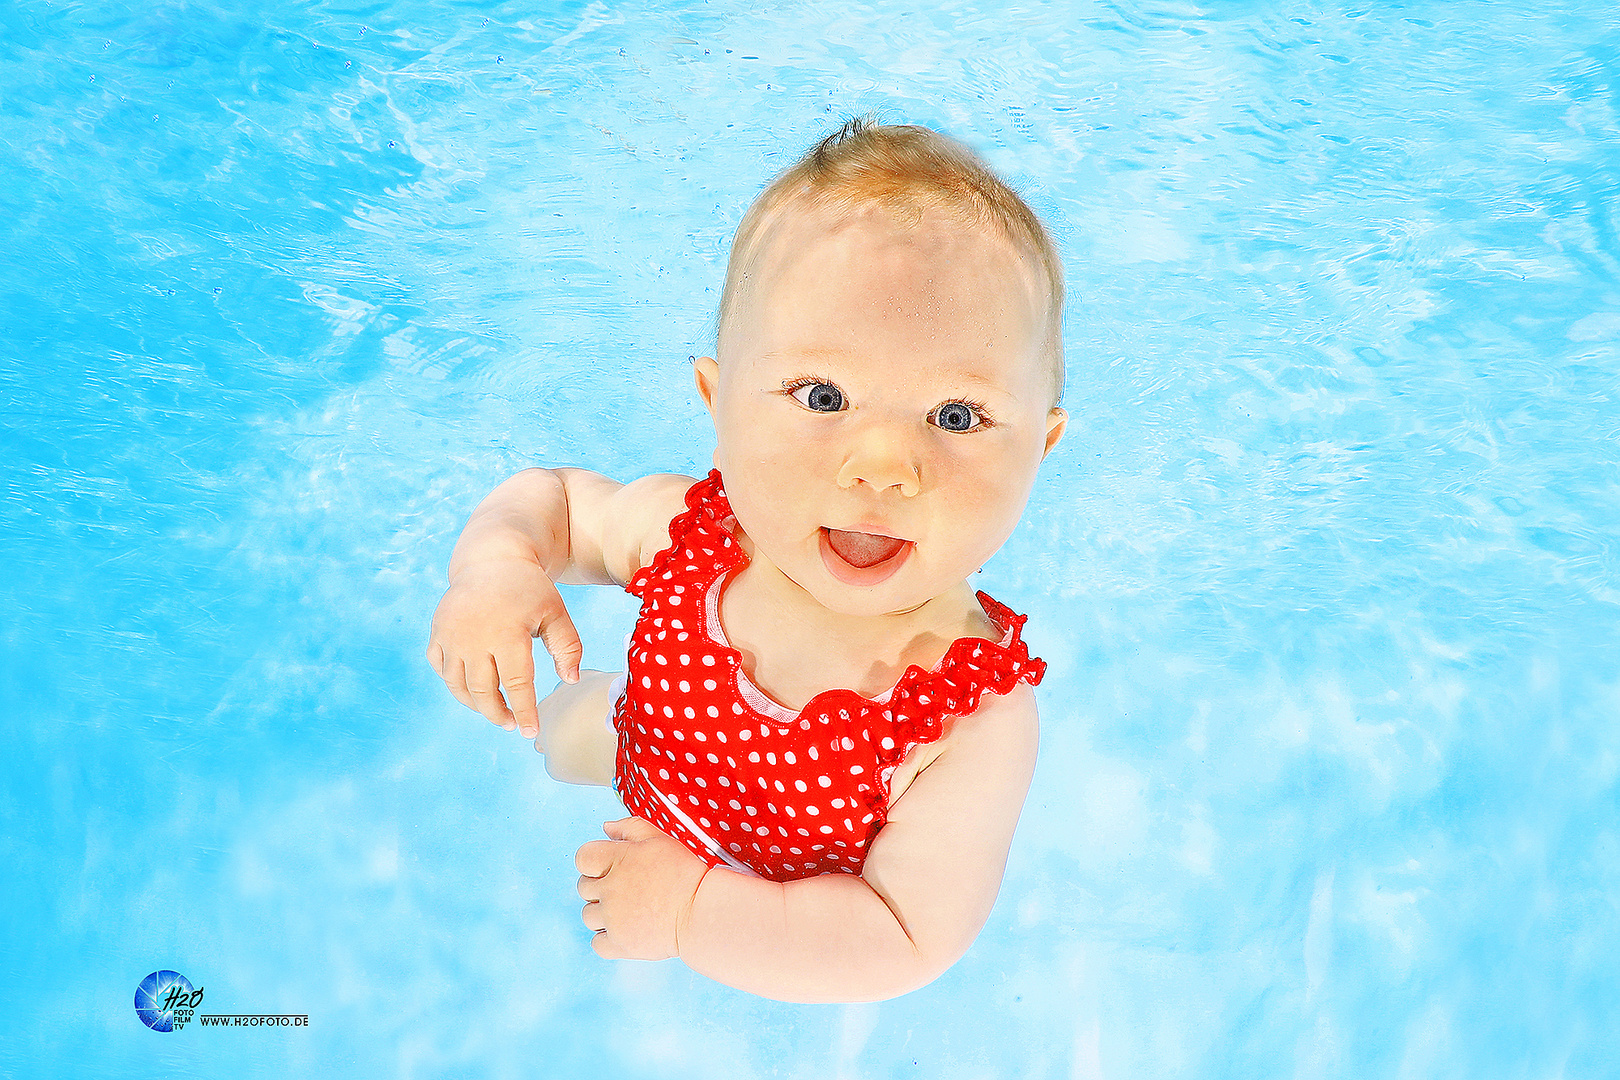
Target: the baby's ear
(706, 372)
(1057, 421)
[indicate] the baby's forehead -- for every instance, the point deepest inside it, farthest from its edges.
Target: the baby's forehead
(908, 237)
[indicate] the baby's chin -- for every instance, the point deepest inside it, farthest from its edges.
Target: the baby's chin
(902, 593)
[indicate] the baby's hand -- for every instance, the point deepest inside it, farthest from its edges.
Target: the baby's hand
(638, 887)
(482, 639)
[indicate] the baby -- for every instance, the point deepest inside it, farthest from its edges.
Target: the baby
(824, 735)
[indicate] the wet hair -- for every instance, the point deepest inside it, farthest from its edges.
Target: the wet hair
(904, 169)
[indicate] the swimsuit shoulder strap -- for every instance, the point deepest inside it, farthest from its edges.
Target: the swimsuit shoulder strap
(972, 666)
(703, 520)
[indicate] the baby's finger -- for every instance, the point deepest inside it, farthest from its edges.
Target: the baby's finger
(630, 828)
(605, 948)
(562, 642)
(591, 916)
(435, 657)
(515, 665)
(482, 683)
(595, 859)
(455, 680)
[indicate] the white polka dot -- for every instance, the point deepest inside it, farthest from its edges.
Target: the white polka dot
(744, 735)
(686, 687)
(826, 829)
(709, 684)
(812, 810)
(854, 770)
(787, 756)
(686, 661)
(824, 781)
(800, 785)
(669, 712)
(814, 753)
(663, 684)
(888, 743)
(691, 714)
(838, 803)
(661, 660)
(754, 757)
(675, 599)
(849, 743)
(713, 711)
(646, 680)
(708, 661)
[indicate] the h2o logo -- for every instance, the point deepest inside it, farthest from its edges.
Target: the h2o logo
(166, 1001)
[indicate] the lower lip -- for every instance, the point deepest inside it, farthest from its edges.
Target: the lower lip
(862, 576)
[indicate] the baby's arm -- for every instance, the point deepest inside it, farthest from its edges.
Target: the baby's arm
(930, 880)
(540, 527)
(575, 735)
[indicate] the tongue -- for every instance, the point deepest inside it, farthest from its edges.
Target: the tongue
(863, 549)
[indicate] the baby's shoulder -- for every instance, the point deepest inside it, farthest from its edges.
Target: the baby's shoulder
(637, 518)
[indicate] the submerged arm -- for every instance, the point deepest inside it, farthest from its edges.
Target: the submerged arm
(539, 527)
(929, 882)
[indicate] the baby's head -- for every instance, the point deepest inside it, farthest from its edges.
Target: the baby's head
(889, 361)
(907, 173)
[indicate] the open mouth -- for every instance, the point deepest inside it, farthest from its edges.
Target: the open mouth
(859, 558)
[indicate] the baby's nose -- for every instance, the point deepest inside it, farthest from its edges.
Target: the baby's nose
(881, 459)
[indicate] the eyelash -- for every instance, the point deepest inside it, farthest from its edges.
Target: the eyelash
(986, 421)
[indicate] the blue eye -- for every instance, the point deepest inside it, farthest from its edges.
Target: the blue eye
(819, 397)
(957, 416)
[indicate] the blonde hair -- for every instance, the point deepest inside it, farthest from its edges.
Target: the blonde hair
(904, 169)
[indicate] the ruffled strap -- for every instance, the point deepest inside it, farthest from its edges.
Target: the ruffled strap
(706, 507)
(923, 700)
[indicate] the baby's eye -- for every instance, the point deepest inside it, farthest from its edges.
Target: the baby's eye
(819, 396)
(959, 416)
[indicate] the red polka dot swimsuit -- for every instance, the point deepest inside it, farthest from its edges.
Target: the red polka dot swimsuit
(736, 777)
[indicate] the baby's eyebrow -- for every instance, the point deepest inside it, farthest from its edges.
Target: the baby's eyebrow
(818, 353)
(951, 377)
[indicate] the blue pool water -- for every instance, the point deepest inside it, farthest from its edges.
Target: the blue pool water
(1326, 568)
